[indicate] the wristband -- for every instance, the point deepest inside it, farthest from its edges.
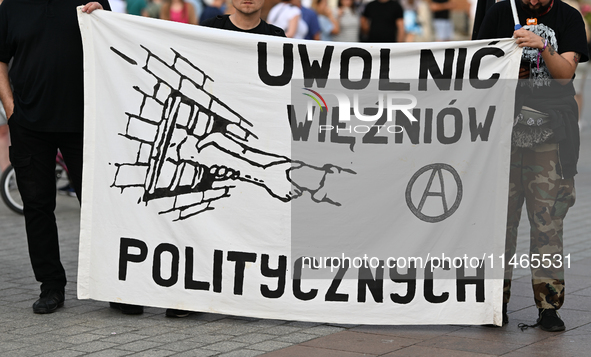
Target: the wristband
(540, 53)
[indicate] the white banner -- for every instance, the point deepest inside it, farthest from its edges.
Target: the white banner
(303, 180)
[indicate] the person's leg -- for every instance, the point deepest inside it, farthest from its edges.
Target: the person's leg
(33, 156)
(548, 198)
(515, 203)
(448, 29)
(439, 29)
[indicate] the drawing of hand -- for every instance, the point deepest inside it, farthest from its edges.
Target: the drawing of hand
(224, 150)
(193, 148)
(318, 181)
(234, 160)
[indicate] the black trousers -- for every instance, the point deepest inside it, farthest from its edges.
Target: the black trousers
(32, 154)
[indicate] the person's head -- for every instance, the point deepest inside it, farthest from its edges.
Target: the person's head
(319, 5)
(346, 4)
(248, 7)
(537, 7)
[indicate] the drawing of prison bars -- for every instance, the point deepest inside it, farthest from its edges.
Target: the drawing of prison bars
(184, 106)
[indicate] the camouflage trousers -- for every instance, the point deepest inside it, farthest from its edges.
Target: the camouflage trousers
(535, 178)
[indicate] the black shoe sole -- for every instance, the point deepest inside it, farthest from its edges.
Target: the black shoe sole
(175, 315)
(126, 311)
(553, 328)
(47, 311)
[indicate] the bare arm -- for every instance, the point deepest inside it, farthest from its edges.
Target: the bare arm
(165, 12)
(401, 35)
(191, 14)
(5, 90)
(364, 25)
(292, 27)
(336, 26)
(561, 66)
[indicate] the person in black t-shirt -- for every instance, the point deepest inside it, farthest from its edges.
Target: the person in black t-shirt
(545, 141)
(246, 18)
(45, 113)
(383, 21)
(442, 23)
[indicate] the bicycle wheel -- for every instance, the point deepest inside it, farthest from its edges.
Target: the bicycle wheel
(62, 181)
(9, 192)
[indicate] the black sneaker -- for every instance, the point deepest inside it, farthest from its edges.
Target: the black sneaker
(49, 301)
(177, 313)
(549, 320)
(127, 309)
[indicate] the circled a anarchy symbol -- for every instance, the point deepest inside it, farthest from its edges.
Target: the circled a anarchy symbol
(436, 169)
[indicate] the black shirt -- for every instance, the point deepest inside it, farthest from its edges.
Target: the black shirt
(383, 17)
(224, 22)
(562, 26)
(443, 14)
(564, 29)
(43, 39)
(482, 8)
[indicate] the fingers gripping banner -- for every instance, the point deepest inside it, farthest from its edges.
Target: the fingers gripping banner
(267, 177)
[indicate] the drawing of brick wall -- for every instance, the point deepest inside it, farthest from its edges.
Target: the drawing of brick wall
(177, 107)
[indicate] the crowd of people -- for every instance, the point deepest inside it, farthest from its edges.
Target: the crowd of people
(329, 20)
(326, 20)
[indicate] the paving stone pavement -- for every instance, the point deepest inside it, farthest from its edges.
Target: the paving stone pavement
(90, 328)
